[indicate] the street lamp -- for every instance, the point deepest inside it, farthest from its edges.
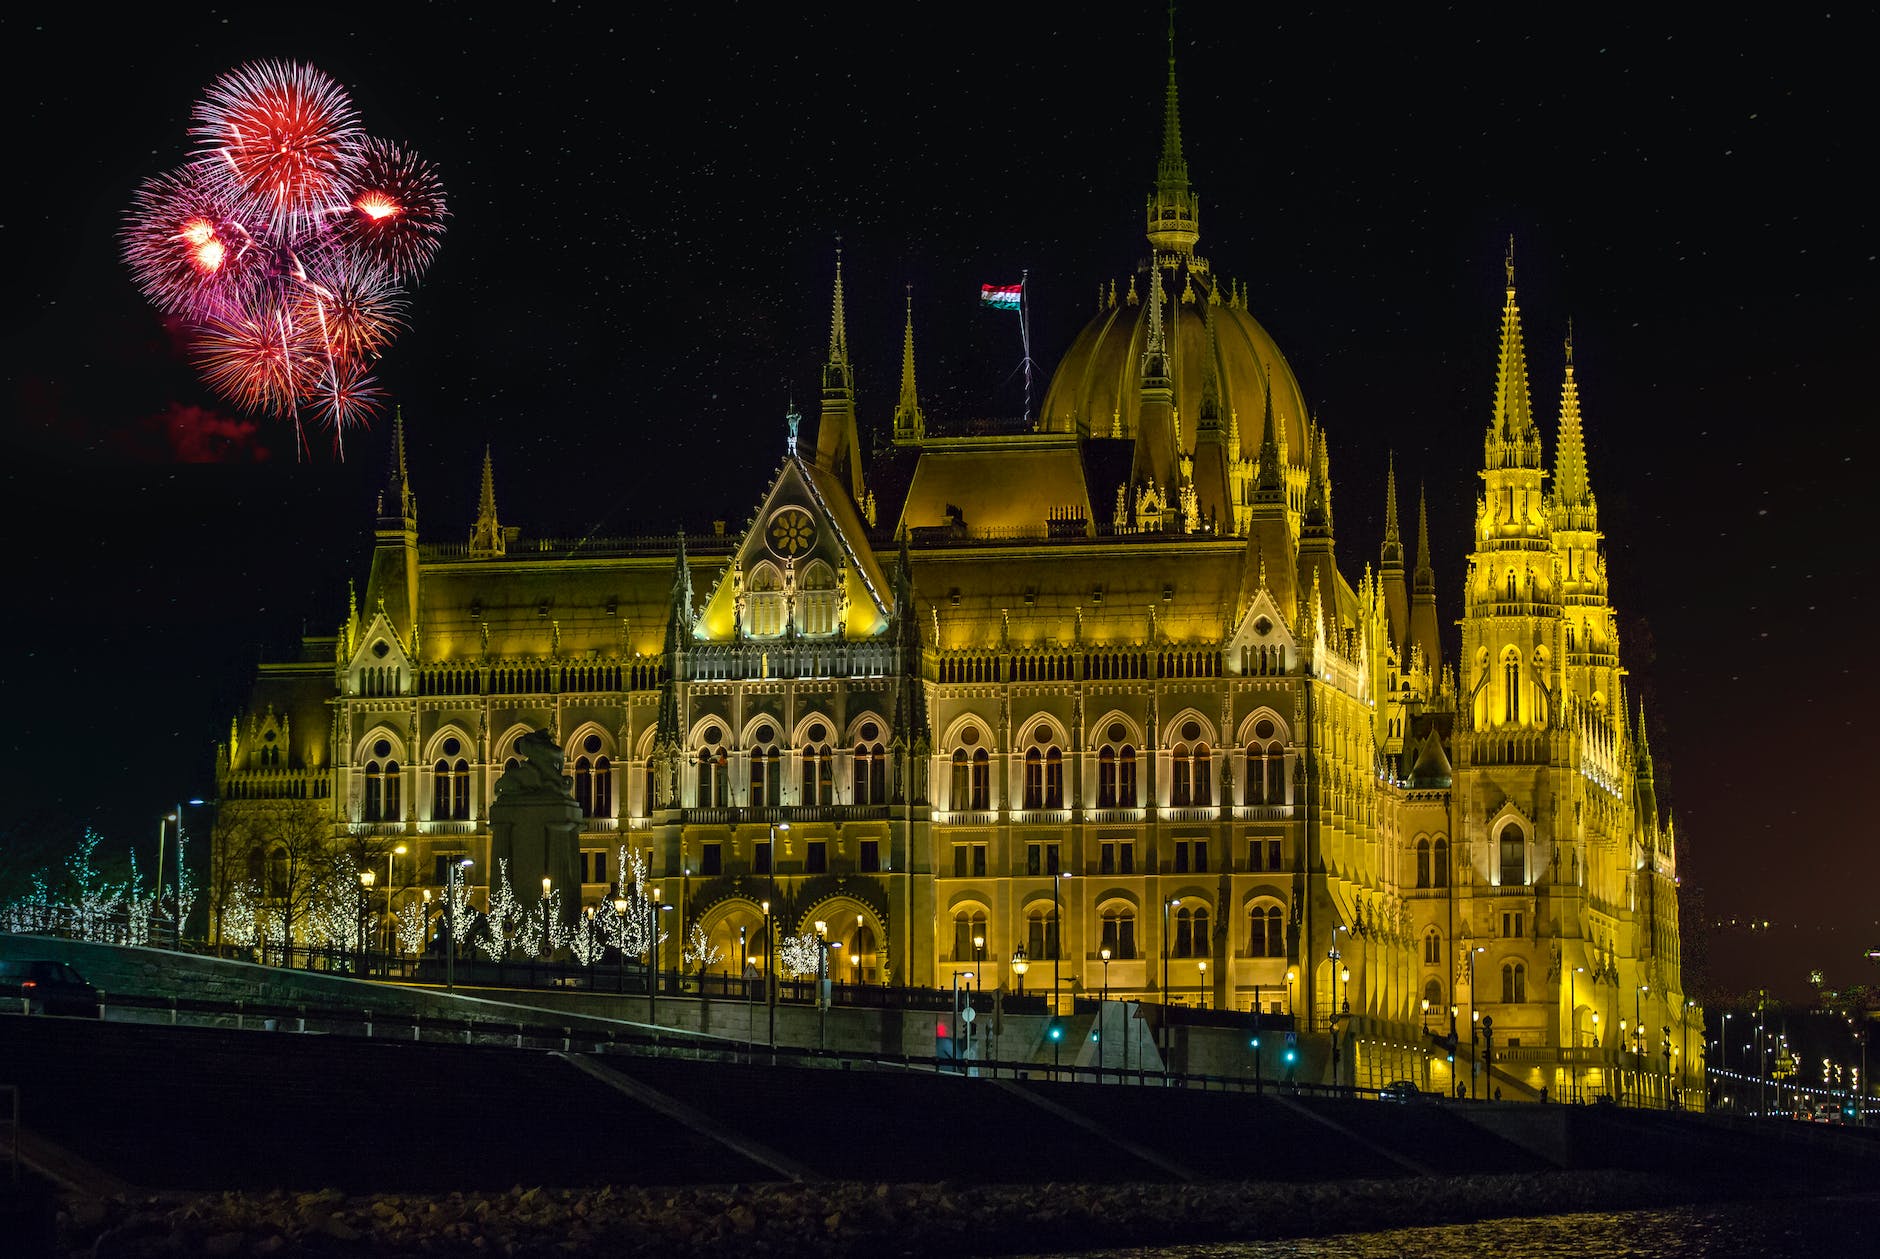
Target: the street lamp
(620, 951)
(365, 907)
(1638, 1032)
(1057, 934)
(770, 969)
(960, 1020)
(400, 850)
(1020, 964)
(546, 883)
(1573, 1012)
(653, 909)
(1204, 983)
(1426, 1044)
(175, 816)
(1102, 1008)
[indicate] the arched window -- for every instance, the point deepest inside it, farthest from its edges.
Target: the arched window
(603, 787)
(1267, 936)
(1119, 931)
(982, 781)
(714, 780)
(1126, 778)
(766, 773)
(819, 775)
(1439, 863)
(1423, 863)
(871, 774)
(1034, 779)
(373, 806)
(1433, 993)
(440, 791)
(1266, 772)
(1513, 983)
(1513, 856)
(1511, 594)
(277, 874)
(394, 806)
(1053, 778)
(1433, 947)
(1191, 932)
(584, 785)
(817, 600)
(1181, 785)
(1106, 778)
(967, 923)
(1203, 775)
(1511, 688)
(1041, 935)
(255, 866)
(764, 597)
(959, 795)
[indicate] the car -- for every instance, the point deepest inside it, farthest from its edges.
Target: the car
(1400, 1091)
(43, 986)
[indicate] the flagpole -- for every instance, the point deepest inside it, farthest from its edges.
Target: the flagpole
(1024, 336)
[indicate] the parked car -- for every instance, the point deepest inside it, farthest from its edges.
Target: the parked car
(47, 987)
(1400, 1091)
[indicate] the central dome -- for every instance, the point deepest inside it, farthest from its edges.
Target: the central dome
(1097, 388)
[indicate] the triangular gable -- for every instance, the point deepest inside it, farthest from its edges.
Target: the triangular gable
(1262, 627)
(805, 519)
(380, 663)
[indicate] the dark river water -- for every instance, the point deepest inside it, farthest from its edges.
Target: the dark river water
(1834, 1228)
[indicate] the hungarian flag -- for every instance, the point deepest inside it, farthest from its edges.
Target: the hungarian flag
(1001, 296)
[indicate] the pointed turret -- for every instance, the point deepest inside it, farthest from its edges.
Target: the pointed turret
(1213, 483)
(1423, 624)
(393, 582)
(1270, 561)
(678, 641)
(1390, 574)
(1645, 780)
(1513, 441)
(486, 538)
(1571, 487)
(1270, 480)
(838, 444)
(1157, 455)
(1174, 211)
(909, 424)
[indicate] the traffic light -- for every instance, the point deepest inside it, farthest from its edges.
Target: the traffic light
(1254, 1044)
(1292, 1048)
(1449, 1046)
(1054, 1032)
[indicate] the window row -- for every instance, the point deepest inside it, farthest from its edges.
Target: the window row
(1191, 783)
(1189, 933)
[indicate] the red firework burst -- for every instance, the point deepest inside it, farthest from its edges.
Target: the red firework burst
(182, 247)
(282, 138)
(396, 212)
(345, 395)
(261, 361)
(352, 305)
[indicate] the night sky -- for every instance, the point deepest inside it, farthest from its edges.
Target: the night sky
(636, 279)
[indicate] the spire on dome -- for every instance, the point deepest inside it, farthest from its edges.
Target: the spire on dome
(1270, 481)
(1571, 487)
(1174, 211)
(838, 323)
(486, 538)
(1155, 342)
(909, 423)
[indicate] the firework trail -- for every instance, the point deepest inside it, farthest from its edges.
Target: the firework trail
(285, 243)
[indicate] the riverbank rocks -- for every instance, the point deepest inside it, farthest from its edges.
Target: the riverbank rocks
(829, 1220)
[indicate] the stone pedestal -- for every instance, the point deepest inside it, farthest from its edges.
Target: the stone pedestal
(539, 837)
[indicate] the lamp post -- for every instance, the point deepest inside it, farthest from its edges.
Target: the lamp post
(1684, 1045)
(1638, 1059)
(1103, 1004)
(653, 908)
(620, 951)
(365, 908)
(1488, 1058)
(1166, 906)
(959, 1020)
(770, 989)
(823, 945)
(400, 851)
(455, 871)
(1020, 964)
(770, 944)
(1204, 983)
(744, 964)
(1573, 1013)
(175, 816)
(1426, 1044)
(1057, 935)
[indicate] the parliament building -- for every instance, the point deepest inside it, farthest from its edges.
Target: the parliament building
(1097, 689)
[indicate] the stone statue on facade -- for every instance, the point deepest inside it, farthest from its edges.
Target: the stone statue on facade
(538, 773)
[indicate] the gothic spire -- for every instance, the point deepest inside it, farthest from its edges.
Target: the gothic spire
(1425, 575)
(909, 423)
(1174, 211)
(1571, 487)
(486, 538)
(398, 507)
(1393, 541)
(838, 442)
(1271, 481)
(838, 323)
(1514, 411)
(1155, 343)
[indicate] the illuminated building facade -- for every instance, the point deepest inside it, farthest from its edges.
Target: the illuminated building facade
(1094, 681)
